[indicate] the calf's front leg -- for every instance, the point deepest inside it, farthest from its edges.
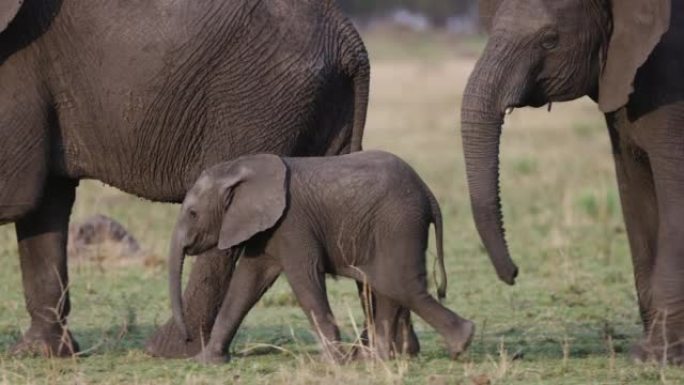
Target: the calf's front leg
(253, 276)
(203, 296)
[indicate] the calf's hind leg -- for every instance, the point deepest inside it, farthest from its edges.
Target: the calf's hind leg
(394, 334)
(401, 276)
(404, 337)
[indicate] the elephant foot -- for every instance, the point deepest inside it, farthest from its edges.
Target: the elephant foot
(639, 354)
(334, 353)
(167, 342)
(461, 339)
(55, 342)
(405, 343)
(381, 350)
(359, 352)
(644, 352)
(406, 340)
(208, 358)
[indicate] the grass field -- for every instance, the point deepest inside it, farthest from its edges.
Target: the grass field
(569, 320)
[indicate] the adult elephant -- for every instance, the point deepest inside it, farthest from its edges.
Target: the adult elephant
(627, 56)
(145, 95)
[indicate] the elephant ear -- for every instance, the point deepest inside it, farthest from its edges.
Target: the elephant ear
(8, 9)
(638, 26)
(487, 10)
(254, 193)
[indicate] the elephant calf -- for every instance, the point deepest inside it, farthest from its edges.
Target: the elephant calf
(365, 216)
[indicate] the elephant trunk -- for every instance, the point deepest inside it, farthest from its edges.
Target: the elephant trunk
(176, 259)
(481, 120)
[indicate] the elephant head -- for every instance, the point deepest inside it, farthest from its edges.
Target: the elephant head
(229, 204)
(540, 51)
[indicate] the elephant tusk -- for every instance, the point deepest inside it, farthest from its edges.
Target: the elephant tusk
(509, 110)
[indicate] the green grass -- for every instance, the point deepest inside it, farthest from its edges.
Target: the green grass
(569, 320)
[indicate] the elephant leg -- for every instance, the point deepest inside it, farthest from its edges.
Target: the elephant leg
(400, 275)
(640, 211)
(394, 334)
(403, 335)
(457, 331)
(209, 280)
(384, 327)
(252, 278)
(42, 236)
(405, 338)
(367, 298)
(369, 305)
(665, 338)
(309, 287)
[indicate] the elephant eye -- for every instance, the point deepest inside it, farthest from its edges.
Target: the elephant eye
(192, 213)
(549, 40)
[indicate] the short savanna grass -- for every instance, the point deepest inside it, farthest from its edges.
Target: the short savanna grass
(569, 320)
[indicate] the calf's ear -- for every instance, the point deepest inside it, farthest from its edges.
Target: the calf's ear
(254, 193)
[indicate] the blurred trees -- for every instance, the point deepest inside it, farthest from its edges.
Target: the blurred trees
(437, 10)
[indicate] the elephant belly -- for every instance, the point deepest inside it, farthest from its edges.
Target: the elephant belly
(173, 101)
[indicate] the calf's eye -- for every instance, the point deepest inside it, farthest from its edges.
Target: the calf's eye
(549, 40)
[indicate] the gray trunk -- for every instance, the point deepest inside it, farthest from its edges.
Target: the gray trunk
(481, 120)
(176, 259)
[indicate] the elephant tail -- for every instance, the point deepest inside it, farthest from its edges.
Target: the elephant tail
(439, 240)
(361, 80)
(355, 64)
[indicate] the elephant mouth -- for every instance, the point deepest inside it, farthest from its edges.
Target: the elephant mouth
(527, 100)
(194, 245)
(191, 251)
(532, 99)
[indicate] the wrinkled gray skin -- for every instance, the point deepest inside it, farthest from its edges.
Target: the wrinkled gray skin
(627, 56)
(143, 95)
(364, 216)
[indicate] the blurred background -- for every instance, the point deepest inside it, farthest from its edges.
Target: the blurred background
(571, 313)
(454, 16)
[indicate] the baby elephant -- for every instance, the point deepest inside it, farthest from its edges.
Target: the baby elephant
(364, 215)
